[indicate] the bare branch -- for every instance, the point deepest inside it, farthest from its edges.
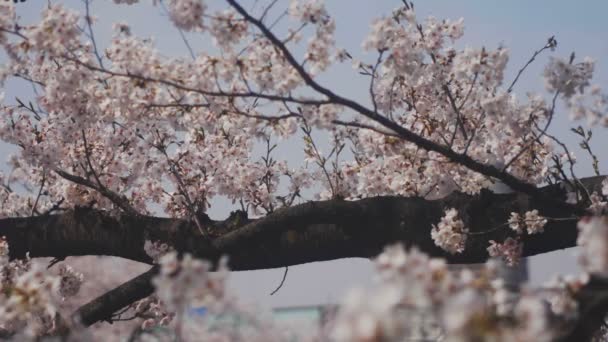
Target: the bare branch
(551, 43)
(282, 281)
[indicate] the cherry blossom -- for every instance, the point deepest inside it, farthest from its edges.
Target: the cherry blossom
(510, 250)
(56, 32)
(156, 250)
(562, 301)
(568, 78)
(3, 251)
(376, 313)
(227, 29)
(450, 232)
(593, 238)
(187, 14)
(598, 206)
(31, 296)
(534, 222)
(7, 19)
(531, 221)
(122, 129)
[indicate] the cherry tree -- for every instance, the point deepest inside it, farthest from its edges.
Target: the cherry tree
(123, 151)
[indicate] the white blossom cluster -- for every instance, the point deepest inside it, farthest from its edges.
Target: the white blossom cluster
(69, 281)
(450, 234)
(598, 206)
(129, 120)
(591, 106)
(179, 281)
(3, 251)
(320, 46)
(308, 11)
(605, 187)
(156, 249)
(187, 14)
(510, 250)
(573, 82)
(320, 116)
(57, 31)
(568, 78)
(30, 295)
(228, 29)
(467, 305)
(183, 285)
(593, 240)
(27, 303)
(7, 19)
(369, 316)
(153, 312)
(561, 299)
(532, 222)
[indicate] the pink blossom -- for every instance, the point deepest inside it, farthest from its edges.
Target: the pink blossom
(510, 250)
(450, 232)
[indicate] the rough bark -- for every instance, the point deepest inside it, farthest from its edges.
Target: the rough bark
(312, 231)
(105, 305)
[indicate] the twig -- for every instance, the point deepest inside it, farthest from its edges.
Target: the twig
(551, 43)
(543, 132)
(282, 281)
(372, 93)
(42, 183)
(526, 221)
(91, 35)
(181, 32)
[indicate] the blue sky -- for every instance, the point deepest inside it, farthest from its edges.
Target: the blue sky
(522, 26)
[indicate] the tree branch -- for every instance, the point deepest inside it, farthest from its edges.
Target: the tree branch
(312, 231)
(102, 307)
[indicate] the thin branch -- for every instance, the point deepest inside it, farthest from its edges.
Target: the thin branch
(459, 117)
(89, 21)
(543, 132)
(183, 191)
(120, 200)
(363, 126)
(282, 281)
(181, 32)
(503, 225)
(579, 185)
(372, 92)
(267, 9)
(200, 91)
(42, 184)
(551, 43)
(466, 97)
(321, 161)
(87, 154)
